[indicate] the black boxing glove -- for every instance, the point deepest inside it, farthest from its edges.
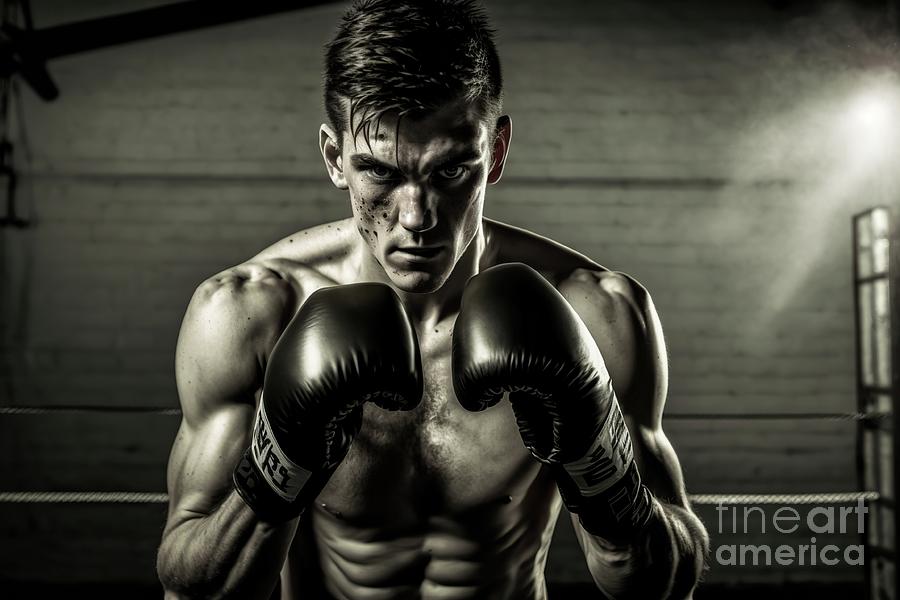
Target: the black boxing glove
(346, 345)
(516, 333)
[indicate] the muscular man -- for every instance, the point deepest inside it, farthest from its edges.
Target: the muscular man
(398, 404)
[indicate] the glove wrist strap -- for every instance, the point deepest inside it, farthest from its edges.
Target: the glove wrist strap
(251, 486)
(618, 514)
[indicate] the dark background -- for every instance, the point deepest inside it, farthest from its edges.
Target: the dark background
(715, 151)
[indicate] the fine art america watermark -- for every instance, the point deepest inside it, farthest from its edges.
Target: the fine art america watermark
(770, 522)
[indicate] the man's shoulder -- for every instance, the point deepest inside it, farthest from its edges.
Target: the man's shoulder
(569, 270)
(279, 276)
(252, 288)
(229, 329)
(263, 292)
(605, 300)
(238, 312)
(249, 304)
(604, 285)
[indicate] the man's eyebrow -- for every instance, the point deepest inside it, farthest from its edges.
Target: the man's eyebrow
(460, 157)
(367, 160)
(361, 160)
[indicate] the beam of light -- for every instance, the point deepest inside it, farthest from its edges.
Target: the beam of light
(859, 147)
(839, 145)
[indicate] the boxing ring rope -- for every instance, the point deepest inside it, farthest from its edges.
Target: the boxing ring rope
(820, 416)
(83, 498)
(44, 410)
(696, 499)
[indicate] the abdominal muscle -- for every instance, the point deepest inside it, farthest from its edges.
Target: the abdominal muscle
(432, 509)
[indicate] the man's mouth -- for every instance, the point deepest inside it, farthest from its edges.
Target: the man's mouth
(417, 253)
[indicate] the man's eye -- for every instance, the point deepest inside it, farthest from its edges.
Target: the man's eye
(452, 172)
(379, 172)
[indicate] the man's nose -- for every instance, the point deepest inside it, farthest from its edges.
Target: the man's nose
(416, 212)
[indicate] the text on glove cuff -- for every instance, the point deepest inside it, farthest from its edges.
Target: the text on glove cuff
(606, 460)
(284, 476)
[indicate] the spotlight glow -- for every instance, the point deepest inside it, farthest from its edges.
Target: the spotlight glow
(870, 128)
(871, 113)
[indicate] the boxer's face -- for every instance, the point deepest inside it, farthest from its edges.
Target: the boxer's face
(417, 192)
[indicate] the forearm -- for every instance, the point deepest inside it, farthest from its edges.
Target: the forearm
(665, 562)
(228, 554)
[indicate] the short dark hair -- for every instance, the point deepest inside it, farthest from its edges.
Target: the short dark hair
(409, 57)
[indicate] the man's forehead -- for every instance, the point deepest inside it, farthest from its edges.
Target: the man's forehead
(444, 143)
(452, 125)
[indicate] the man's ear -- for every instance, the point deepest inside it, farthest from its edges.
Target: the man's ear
(331, 152)
(501, 148)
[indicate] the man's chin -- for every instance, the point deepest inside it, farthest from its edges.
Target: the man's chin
(416, 276)
(416, 282)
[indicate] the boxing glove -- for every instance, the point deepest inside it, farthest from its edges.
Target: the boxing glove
(516, 333)
(346, 345)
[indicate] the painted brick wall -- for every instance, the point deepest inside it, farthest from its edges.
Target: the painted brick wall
(699, 148)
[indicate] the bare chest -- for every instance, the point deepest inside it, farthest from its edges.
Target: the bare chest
(437, 459)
